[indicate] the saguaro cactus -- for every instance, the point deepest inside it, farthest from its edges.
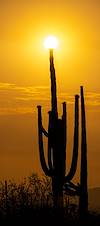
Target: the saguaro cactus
(57, 142)
(83, 200)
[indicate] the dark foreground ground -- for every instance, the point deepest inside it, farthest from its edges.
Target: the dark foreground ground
(48, 216)
(31, 203)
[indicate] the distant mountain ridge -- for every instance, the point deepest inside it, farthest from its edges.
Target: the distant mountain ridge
(94, 199)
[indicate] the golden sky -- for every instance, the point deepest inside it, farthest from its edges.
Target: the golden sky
(25, 82)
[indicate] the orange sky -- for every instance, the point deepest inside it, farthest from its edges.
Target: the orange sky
(25, 82)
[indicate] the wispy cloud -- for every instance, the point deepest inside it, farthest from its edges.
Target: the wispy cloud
(68, 97)
(93, 98)
(19, 99)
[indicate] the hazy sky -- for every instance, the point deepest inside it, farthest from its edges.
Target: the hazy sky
(25, 82)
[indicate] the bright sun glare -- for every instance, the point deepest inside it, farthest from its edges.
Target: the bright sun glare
(51, 42)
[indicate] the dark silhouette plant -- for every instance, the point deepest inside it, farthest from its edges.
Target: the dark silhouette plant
(83, 201)
(56, 136)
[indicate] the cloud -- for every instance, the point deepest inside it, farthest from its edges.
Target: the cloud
(92, 98)
(67, 97)
(20, 99)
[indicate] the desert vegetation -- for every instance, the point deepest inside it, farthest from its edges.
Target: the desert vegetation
(31, 201)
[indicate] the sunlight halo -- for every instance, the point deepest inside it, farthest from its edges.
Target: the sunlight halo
(51, 42)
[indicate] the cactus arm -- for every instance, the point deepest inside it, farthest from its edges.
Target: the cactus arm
(74, 186)
(41, 149)
(44, 132)
(64, 136)
(64, 126)
(50, 157)
(75, 147)
(50, 149)
(70, 187)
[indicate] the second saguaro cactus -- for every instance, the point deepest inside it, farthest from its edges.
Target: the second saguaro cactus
(83, 199)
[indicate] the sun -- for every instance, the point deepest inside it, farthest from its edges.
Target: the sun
(51, 42)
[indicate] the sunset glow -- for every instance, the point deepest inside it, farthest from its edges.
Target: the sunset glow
(27, 28)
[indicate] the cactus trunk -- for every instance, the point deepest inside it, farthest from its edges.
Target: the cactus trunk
(56, 126)
(53, 85)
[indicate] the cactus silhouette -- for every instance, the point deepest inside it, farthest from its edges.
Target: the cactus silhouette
(83, 200)
(82, 189)
(57, 142)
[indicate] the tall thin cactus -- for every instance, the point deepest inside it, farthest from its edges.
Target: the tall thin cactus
(57, 142)
(83, 200)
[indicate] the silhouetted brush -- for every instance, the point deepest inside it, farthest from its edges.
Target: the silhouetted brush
(6, 196)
